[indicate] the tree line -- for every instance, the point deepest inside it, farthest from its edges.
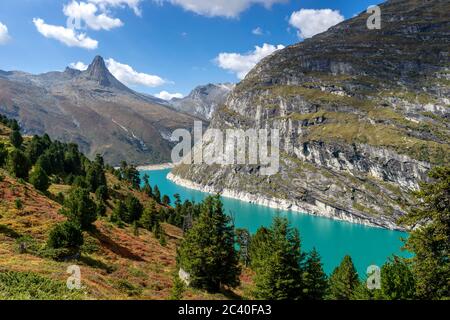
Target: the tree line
(213, 254)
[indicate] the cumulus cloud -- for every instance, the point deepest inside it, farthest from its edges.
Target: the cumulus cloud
(168, 96)
(104, 4)
(65, 35)
(4, 36)
(220, 8)
(241, 64)
(82, 11)
(79, 66)
(129, 76)
(310, 22)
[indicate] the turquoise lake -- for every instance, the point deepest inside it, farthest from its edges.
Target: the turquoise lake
(333, 239)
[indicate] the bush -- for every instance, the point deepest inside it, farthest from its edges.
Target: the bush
(66, 235)
(31, 286)
(18, 204)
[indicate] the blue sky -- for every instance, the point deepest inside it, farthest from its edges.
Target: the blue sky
(161, 45)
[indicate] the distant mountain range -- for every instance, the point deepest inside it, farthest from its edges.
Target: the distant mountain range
(203, 100)
(95, 110)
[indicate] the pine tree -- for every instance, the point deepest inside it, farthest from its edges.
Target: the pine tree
(343, 281)
(430, 242)
(119, 212)
(17, 164)
(397, 281)
(277, 265)
(257, 249)
(65, 235)
(39, 179)
(80, 208)
(314, 278)
(207, 252)
(134, 209)
(3, 154)
(178, 288)
(147, 189)
(16, 138)
(149, 217)
(157, 194)
(166, 200)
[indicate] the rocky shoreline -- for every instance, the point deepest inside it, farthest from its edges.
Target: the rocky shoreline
(154, 167)
(319, 209)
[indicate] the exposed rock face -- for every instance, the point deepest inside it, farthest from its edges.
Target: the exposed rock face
(362, 115)
(203, 100)
(93, 109)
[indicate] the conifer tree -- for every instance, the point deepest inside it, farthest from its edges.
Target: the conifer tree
(165, 200)
(430, 241)
(149, 217)
(397, 281)
(157, 194)
(314, 278)
(80, 208)
(39, 179)
(16, 138)
(343, 281)
(147, 189)
(207, 252)
(3, 154)
(134, 209)
(277, 266)
(17, 164)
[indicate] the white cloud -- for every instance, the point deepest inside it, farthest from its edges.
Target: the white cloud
(222, 8)
(104, 4)
(241, 64)
(4, 36)
(82, 11)
(129, 76)
(258, 31)
(79, 66)
(310, 22)
(168, 96)
(65, 35)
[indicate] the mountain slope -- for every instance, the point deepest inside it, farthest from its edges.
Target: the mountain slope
(363, 114)
(93, 109)
(203, 100)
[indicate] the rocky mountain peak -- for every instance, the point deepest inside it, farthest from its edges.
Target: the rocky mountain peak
(99, 73)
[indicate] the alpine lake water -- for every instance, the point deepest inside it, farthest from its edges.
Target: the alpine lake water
(333, 239)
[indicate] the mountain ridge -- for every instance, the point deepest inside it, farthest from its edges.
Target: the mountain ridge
(203, 100)
(362, 114)
(95, 110)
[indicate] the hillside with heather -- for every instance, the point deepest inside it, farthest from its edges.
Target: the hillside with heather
(118, 259)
